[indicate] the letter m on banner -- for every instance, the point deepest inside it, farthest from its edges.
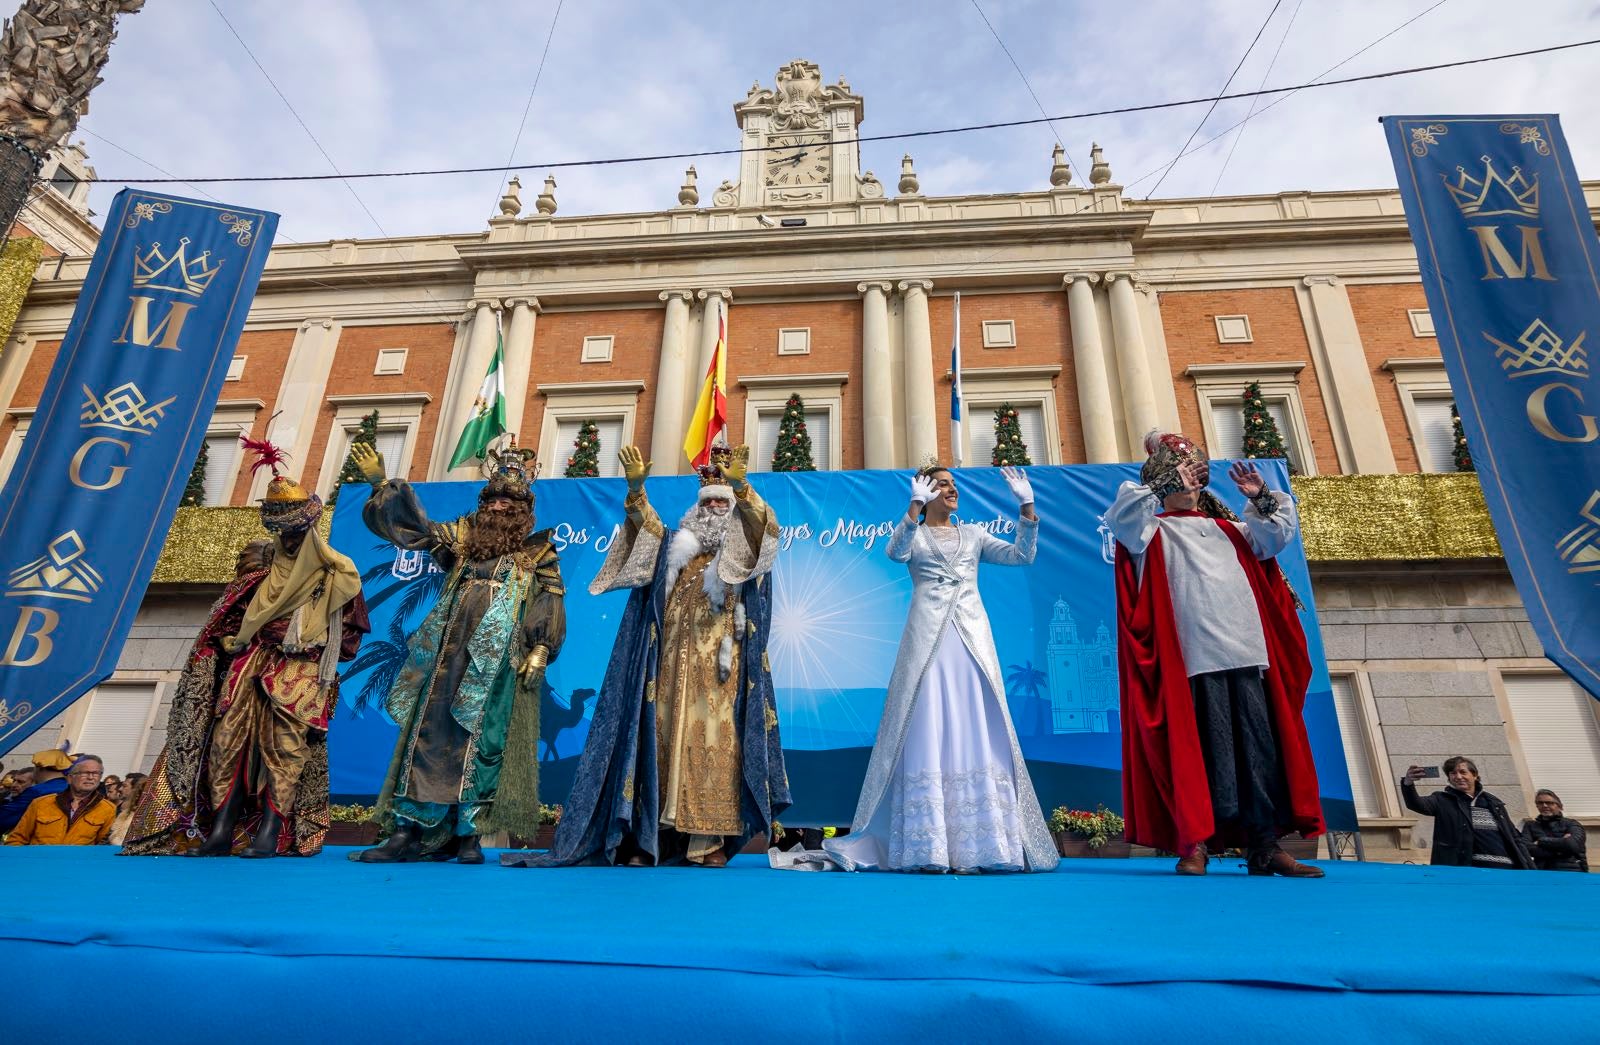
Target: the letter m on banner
(93, 493)
(1509, 259)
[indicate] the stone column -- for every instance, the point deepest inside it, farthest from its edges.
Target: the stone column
(672, 377)
(708, 344)
(1089, 366)
(519, 361)
(922, 424)
(1346, 379)
(462, 398)
(877, 410)
(1133, 362)
(300, 395)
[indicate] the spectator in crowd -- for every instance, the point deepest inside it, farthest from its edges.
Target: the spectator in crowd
(49, 778)
(132, 788)
(1555, 842)
(113, 788)
(79, 815)
(14, 783)
(1470, 826)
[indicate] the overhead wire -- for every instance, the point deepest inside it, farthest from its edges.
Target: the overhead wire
(899, 136)
(1242, 58)
(1024, 78)
(1270, 66)
(522, 124)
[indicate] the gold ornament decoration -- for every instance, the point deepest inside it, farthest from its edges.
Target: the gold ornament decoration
(1420, 516)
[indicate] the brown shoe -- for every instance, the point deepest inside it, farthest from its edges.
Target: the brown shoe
(1280, 863)
(1193, 865)
(715, 859)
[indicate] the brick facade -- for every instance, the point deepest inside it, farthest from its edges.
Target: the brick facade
(557, 359)
(835, 347)
(1380, 311)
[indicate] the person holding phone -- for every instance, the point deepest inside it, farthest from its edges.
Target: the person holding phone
(1470, 826)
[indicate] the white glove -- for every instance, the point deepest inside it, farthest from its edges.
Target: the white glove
(1017, 479)
(923, 489)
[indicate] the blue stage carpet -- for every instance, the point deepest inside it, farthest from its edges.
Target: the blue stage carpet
(165, 949)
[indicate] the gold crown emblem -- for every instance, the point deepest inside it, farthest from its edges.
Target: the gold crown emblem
(157, 271)
(124, 409)
(1492, 194)
(711, 472)
(61, 573)
(1580, 548)
(1541, 350)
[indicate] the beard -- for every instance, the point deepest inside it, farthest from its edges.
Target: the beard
(709, 528)
(493, 534)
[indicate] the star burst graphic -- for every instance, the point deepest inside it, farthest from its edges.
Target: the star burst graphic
(835, 628)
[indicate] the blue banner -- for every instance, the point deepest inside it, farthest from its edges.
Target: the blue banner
(113, 441)
(839, 605)
(1509, 261)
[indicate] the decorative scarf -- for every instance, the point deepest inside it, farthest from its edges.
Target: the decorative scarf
(312, 588)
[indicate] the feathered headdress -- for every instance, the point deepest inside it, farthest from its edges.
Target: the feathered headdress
(286, 507)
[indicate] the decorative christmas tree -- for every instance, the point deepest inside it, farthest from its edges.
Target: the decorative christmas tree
(585, 460)
(1458, 445)
(367, 435)
(1261, 435)
(793, 450)
(194, 491)
(1009, 449)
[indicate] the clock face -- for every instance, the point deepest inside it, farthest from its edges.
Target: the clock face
(797, 160)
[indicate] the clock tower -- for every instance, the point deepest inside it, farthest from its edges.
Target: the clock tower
(807, 131)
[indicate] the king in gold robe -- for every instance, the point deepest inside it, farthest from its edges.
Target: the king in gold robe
(683, 759)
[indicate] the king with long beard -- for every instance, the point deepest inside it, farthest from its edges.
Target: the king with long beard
(467, 699)
(683, 762)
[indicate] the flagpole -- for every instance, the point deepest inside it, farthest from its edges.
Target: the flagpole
(957, 449)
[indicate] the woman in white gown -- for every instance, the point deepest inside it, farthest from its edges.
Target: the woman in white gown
(947, 789)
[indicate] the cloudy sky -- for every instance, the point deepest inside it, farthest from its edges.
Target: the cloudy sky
(408, 84)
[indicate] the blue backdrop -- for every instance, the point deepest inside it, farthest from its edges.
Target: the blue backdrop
(1509, 261)
(89, 503)
(839, 606)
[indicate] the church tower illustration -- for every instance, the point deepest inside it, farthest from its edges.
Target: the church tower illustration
(1083, 676)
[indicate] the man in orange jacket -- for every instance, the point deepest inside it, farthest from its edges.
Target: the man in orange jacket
(80, 815)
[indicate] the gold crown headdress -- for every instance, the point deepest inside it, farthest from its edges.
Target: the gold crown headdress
(287, 506)
(511, 473)
(710, 473)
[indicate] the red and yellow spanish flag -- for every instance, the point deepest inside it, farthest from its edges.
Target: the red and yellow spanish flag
(711, 410)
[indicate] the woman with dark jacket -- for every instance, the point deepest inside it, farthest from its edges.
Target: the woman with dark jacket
(1555, 842)
(1470, 826)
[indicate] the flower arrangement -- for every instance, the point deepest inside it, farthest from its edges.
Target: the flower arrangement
(1097, 828)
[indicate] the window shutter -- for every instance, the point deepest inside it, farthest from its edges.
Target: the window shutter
(115, 725)
(767, 422)
(222, 463)
(391, 444)
(1227, 420)
(1030, 420)
(1436, 434)
(1560, 738)
(610, 432)
(819, 423)
(1363, 780)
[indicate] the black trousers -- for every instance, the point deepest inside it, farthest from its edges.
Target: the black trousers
(1240, 749)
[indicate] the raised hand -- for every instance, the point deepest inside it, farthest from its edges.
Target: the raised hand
(1017, 479)
(923, 490)
(1193, 476)
(737, 469)
(1246, 478)
(367, 458)
(634, 467)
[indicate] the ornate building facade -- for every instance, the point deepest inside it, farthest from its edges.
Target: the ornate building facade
(1096, 316)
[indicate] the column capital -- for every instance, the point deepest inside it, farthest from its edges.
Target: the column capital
(667, 295)
(1326, 281)
(530, 302)
(489, 303)
(1088, 278)
(923, 285)
(1115, 274)
(874, 284)
(325, 324)
(715, 292)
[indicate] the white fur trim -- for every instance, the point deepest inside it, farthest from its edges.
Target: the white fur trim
(738, 618)
(715, 490)
(684, 547)
(725, 658)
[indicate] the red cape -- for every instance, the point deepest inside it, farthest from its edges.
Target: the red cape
(1165, 795)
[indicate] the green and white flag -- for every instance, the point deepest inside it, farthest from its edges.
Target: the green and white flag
(488, 421)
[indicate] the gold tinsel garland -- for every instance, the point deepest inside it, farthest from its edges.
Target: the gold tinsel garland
(1344, 518)
(1360, 518)
(17, 266)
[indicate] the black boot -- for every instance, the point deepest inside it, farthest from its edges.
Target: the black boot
(220, 841)
(470, 851)
(402, 847)
(265, 843)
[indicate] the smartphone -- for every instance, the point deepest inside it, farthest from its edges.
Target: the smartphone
(1429, 772)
